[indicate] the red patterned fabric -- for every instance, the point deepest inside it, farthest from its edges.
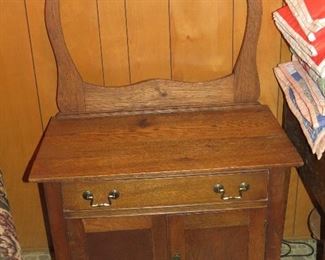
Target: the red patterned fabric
(316, 47)
(302, 24)
(312, 53)
(310, 14)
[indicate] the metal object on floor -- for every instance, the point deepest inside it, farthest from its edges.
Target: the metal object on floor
(298, 250)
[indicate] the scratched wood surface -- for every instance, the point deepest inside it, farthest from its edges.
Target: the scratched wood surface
(113, 43)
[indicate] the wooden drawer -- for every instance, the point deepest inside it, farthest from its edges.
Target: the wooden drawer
(171, 191)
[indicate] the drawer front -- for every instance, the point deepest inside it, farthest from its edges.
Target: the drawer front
(169, 191)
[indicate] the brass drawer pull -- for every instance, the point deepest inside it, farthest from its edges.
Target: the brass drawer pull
(112, 195)
(219, 188)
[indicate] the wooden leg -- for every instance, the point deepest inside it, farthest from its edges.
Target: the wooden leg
(77, 239)
(52, 192)
(256, 248)
(278, 191)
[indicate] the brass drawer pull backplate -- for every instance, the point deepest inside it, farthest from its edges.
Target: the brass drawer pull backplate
(112, 195)
(219, 188)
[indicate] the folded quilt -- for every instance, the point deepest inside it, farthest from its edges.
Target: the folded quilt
(313, 101)
(311, 16)
(314, 135)
(317, 63)
(302, 24)
(9, 245)
(313, 75)
(311, 53)
(305, 85)
(287, 22)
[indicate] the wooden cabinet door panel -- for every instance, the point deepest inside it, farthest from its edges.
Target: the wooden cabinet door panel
(120, 245)
(229, 234)
(223, 235)
(123, 238)
(216, 243)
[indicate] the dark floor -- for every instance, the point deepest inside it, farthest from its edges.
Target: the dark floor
(296, 249)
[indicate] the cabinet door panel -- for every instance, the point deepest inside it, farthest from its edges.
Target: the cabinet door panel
(126, 238)
(216, 243)
(120, 245)
(220, 235)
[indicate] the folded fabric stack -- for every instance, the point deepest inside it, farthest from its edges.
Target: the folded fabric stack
(310, 15)
(302, 24)
(9, 245)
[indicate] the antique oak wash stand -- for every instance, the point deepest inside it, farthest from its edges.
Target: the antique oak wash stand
(164, 169)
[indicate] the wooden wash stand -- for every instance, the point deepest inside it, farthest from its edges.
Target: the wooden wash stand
(164, 169)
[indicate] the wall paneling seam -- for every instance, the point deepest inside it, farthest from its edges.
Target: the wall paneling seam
(100, 44)
(170, 41)
(127, 40)
(33, 64)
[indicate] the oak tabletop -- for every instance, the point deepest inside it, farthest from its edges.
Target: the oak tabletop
(141, 145)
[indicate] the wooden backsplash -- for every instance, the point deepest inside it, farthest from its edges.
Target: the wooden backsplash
(126, 42)
(116, 42)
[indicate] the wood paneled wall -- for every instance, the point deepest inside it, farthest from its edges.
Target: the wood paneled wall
(117, 42)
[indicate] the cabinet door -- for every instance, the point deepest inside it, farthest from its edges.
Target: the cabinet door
(238, 234)
(119, 238)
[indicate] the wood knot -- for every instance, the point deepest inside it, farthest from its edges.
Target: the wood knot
(143, 123)
(161, 92)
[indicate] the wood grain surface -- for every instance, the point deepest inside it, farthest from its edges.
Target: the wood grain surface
(114, 42)
(148, 48)
(80, 28)
(143, 193)
(168, 142)
(73, 92)
(44, 63)
(158, 94)
(196, 41)
(21, 123)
